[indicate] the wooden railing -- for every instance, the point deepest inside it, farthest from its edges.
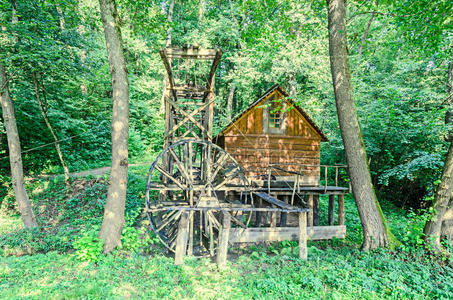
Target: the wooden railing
(298, 174)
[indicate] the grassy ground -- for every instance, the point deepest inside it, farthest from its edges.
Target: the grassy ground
(334, 269)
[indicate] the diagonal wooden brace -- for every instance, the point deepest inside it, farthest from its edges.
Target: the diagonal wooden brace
(188, 116)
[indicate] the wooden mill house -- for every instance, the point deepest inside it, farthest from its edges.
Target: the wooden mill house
(279, 146)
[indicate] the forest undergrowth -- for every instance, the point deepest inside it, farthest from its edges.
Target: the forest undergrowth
(63, 258)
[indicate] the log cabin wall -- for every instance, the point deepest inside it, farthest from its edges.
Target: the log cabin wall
(255, 144)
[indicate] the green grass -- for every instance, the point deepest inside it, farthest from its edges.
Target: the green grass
(334, 269)
(327, 274)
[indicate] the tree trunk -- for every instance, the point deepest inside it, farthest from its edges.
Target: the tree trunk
(166, 93)
(113, 221)
(375, 231)
(441, 222)
(43, 107)
(201, 9)
(230, 102)
(15, 158)
(447, 223)
(441, 200)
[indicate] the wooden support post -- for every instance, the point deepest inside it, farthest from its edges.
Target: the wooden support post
(331, 209)
(315, 210)
(181, 239)
(302, 235)
(284, 215)
(222, 251)
(258, 214)
(336, 175)
(274, 217)
(310, 213)
(340, 209)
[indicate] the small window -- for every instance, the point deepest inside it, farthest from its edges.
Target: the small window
(275, 115)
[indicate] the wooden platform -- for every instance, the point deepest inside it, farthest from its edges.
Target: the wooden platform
(278, 187)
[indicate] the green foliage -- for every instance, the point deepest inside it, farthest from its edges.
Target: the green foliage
(413, 234)
(67, 212)
(137, 240)
(334, 268)
(342, 273)
(89, 247)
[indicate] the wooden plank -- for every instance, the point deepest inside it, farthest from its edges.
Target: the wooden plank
(340, 209)
(181, 239)
(270, 139)
(331, 209)
(278, 234)
(259, 120)
(274, 201)
(223, 208)
(274, 152)
(222, 250)
(302, 235)
(261, 159)
(242, 142)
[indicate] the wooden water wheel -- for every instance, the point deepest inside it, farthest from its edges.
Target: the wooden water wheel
(196, 174)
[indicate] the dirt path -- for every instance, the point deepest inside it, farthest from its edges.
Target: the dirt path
(93, 172)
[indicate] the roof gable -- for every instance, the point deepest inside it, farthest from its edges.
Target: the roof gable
(275, 89)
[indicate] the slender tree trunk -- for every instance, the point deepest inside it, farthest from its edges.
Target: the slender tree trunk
(201, 9)
(166, 93)
(43, 107)
(60, 16)
(441, 222)
(15, 158)
(230, 101)
(364, 36)
(375, 231)
(113, 221)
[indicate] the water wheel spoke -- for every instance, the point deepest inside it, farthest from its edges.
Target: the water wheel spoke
(219, 163)
(214, 220)
(162, 171)
(169, 219)
(179, 163)
(228, 176)
(236, 221)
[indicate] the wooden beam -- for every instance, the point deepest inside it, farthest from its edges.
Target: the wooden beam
(169, 72)
(316, 210)
(274, 201)
(284, 215)
(188, 116)
(310, 214)
(278, 234)
(302, 235)
(331, 209)
(181, 239)
(222, 250)
(340, 209)
(223, 208)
